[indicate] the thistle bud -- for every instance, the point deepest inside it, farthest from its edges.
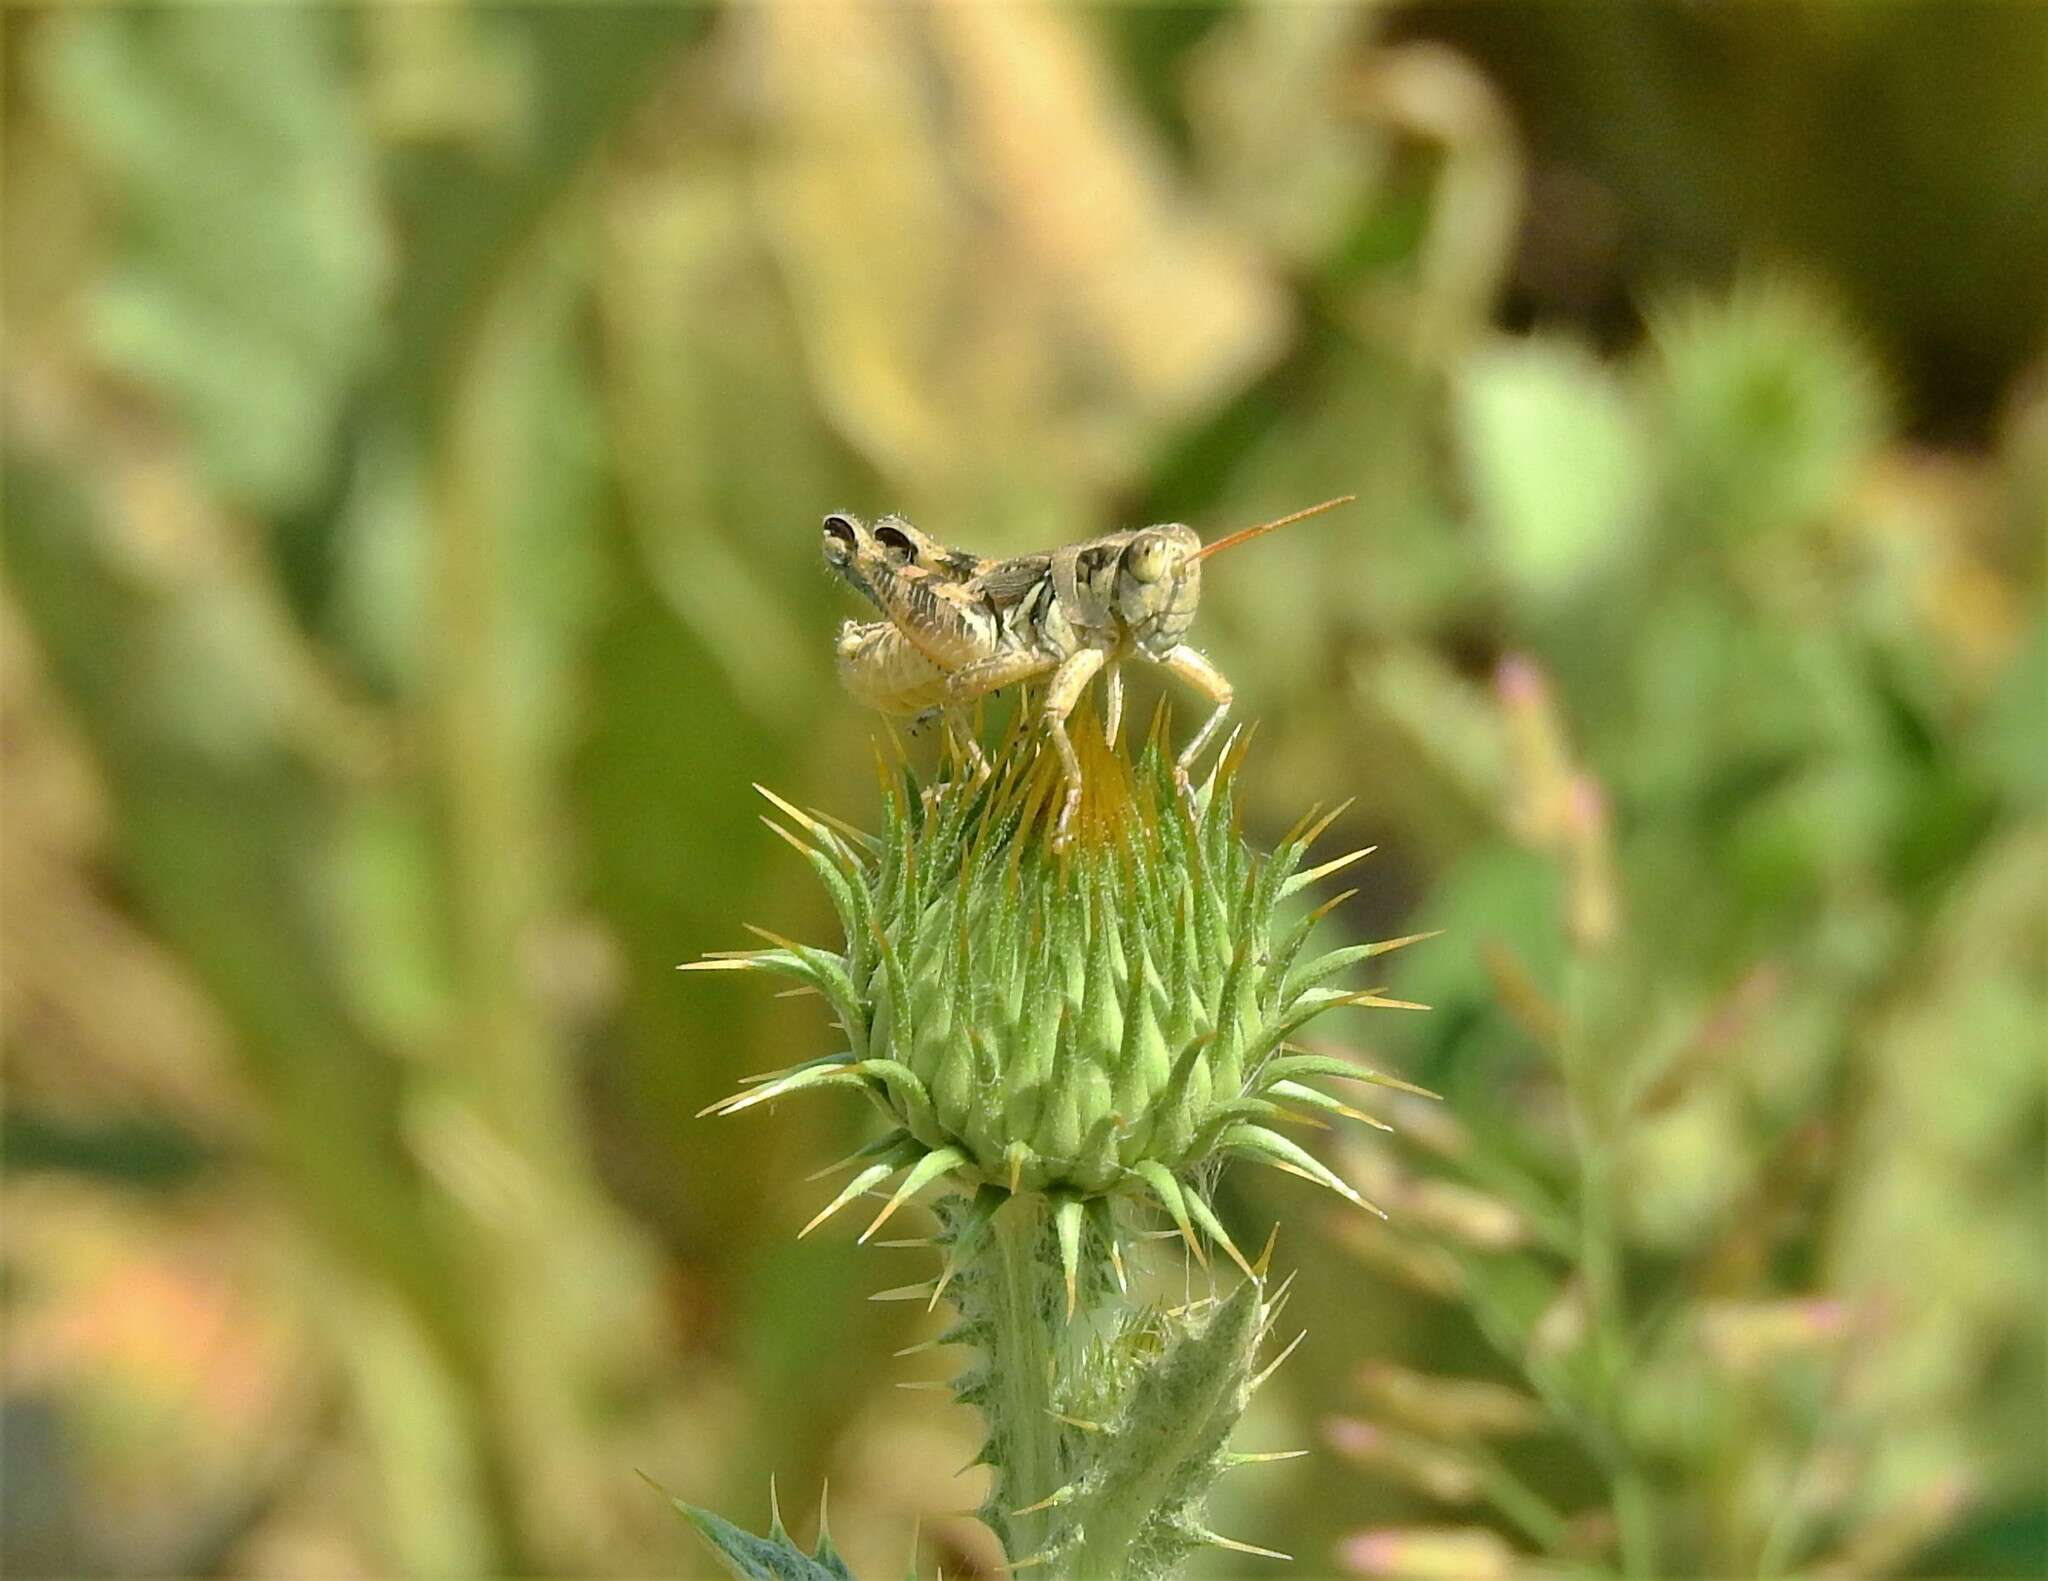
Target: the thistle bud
(1092, 1020)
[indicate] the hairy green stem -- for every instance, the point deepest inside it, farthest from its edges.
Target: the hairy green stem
(1106, 1427)
(1026, 1297)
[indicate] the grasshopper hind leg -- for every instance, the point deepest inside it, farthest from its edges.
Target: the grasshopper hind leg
(967, 685)
(963, 743)
(960, 750)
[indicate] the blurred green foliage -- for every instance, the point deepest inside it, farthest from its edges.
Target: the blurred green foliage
(416, 424)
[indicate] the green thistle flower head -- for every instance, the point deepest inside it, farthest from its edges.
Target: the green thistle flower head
(1092, 1021)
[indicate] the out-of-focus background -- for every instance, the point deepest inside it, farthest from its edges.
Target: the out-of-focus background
(417, 423)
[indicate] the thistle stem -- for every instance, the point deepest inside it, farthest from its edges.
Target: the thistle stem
(1027, 1305)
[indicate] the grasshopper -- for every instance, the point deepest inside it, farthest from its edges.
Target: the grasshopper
(958, 626)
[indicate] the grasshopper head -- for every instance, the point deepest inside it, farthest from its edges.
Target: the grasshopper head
(1158, 584)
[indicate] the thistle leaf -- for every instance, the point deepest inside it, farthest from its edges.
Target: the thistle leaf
(770, 1558)
(1139, 1515)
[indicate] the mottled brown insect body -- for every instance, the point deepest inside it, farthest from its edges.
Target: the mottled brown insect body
(958, 626)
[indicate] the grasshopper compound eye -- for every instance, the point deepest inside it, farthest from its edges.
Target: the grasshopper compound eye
(1147, 557)
(841, 535)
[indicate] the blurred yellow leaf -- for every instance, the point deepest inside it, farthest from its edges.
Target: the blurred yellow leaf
(1006, 298)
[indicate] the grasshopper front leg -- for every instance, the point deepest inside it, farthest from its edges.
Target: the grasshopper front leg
(1069, 681)
(1199, 673)
(1113, 706)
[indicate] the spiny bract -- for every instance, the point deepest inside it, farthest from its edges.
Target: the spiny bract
(1092, 1021)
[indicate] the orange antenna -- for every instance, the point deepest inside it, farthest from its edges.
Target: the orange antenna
(1245, 535)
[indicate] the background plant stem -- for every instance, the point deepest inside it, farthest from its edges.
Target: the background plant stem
(1588, 1090)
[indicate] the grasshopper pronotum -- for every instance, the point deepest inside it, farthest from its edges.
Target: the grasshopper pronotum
(959, 626)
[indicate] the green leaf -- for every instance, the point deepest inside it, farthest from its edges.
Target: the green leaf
(245, 286)
(468, 209)
(1140, 1513)
(1555, 459)
(2008, 740)
(770, 1558)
